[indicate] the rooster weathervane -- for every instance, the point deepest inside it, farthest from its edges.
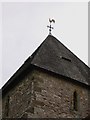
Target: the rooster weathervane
(50, 27)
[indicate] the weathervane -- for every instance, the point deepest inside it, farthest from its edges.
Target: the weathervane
(50, 27)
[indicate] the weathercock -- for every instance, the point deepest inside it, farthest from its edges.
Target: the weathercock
(51, 20)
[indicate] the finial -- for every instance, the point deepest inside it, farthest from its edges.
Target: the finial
(50, 27)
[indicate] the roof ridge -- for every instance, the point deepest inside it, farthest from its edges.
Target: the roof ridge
(30, 58)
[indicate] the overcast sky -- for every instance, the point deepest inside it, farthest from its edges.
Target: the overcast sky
(24, 27)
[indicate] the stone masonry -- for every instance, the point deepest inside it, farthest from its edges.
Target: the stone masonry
(41, 95)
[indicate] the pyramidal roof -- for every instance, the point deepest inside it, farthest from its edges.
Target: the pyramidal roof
(53, 56)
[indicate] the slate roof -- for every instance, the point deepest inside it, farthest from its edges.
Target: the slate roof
(53, 56)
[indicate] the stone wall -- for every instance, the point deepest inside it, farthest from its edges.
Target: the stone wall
(0, 104)
(40, 95)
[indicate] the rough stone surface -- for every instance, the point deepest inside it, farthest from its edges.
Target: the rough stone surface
(41, 95)
(0, 104)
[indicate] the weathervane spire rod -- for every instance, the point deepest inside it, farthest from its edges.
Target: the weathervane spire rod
(50, 27)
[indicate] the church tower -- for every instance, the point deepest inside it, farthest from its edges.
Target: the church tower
(52, 83)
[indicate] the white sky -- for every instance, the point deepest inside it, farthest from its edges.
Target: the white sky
(24, 29)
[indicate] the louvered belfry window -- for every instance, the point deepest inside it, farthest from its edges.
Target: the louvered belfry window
(7, 106)
(75, 101)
